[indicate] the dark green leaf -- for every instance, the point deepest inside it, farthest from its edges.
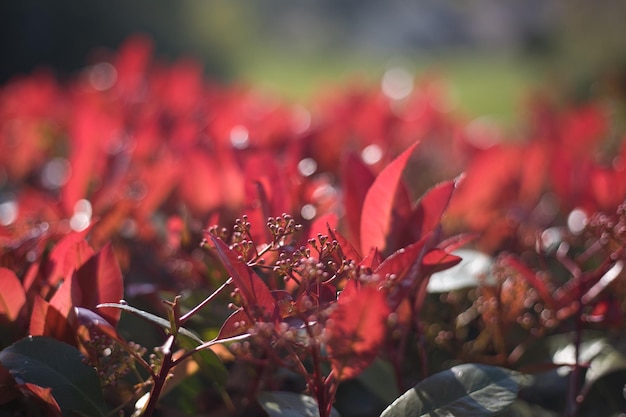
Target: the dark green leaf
(52, 364)
(212, 366)
(379, 378)
(289, 404)
(159, 321)
(469, 390)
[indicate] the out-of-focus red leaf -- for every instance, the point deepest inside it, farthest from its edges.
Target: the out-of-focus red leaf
(156, 182)
(67, 255)
(58, 311)
(322, 225)
(202, 184)
(37, 324)
(356, 178)
(131, 63)
(89, 129)
(12, 296)
(607, 312)
(100, 281)
(236, 324)
(379, 204)
(372, 260)
(537, 283)
(437, 260)
(457, 241)
(356, 329)
(431, 207)
(254, 291)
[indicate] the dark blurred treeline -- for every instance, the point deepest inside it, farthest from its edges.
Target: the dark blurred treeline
(61, 34)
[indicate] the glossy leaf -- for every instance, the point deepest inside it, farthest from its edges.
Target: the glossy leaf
(596, 352)
(49, 363)
(468, 390)
(378, 206)
(289, 404)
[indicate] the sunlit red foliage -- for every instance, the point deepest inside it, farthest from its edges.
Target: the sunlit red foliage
(139, 178)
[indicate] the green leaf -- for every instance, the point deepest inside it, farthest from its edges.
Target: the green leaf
(159, 321)
(289, 404)
(379, 379)
(468, 390)
(212, 366)
(599, 354)
(52, 364)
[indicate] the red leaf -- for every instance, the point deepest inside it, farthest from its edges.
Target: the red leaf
(200, 190)
(38, 316)
(82, 317)
(89, 129)
(356, 329)
(428, 212)
(67, 255)
(357, 178)
(100, 281)
(400, 271)
(399, 262)
(58, 311)
(457, 241)
(42, 395)
(322, 225)
(254, 291)
(12, 296)
(348, 251)
(236, 324)
(372, 260)
(437, 260)
(378, 206)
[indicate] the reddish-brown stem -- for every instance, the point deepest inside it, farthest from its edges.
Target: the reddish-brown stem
(317, 382)
(161, 378)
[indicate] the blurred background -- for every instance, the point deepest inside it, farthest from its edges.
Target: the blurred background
(488, 51)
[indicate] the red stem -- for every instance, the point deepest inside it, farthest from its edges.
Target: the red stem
(159, 381)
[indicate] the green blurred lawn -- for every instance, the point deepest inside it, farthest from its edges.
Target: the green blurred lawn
(481, 85)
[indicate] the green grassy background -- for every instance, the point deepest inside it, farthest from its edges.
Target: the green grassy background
(480, 85)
